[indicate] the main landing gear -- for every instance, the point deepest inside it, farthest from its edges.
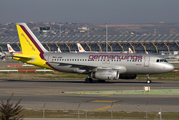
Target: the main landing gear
(148, 79)
(101, 81)
(88, 80)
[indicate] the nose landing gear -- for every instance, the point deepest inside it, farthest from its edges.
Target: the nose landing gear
(148, 79)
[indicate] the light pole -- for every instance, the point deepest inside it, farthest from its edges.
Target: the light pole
(88, 31)
(99, 45)
(160, 114)
(60, 29)
(106, 36)
(78, 110)
(44, 111)
(155, 31)
(111, 111)
(146, 107)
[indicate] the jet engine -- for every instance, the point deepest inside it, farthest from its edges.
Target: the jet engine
(106, 74)
(127, 76)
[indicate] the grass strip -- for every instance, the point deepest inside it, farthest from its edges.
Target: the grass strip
(38, 113)
(139, 92)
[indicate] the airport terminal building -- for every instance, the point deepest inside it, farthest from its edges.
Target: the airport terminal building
(138, 43)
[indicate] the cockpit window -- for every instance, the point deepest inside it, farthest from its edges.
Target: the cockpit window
(161, 60)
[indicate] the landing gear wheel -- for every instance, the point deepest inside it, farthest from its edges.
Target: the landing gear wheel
(88, 80)
(101, 81)
(149, 81)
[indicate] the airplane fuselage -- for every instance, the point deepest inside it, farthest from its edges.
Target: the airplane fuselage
(124, 63)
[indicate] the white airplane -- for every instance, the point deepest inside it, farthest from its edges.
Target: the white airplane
(81, 49)
(101, 66)
(11, 50)
(130, 51)
(59, 50)
(2, 55)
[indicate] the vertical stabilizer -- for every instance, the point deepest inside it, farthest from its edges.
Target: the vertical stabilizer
(10, 49)
(59, 51)
(80, 48)
(130, 51)
(29, 42)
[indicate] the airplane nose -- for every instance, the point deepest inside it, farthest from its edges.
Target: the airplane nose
(170, 67)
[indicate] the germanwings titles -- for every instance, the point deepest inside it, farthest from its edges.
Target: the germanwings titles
(118, 57)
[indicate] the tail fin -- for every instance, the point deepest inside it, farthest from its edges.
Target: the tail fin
(80, 48)
(59, 51)
(29, 42)
(10, 49)
(130, 51)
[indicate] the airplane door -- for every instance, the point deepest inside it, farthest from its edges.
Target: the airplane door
(146, 61)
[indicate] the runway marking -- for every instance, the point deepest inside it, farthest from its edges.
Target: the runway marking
(103, 108)
(32, 93)
(8, 92)
(106, 95)
(48, 94)
(81, 93)
(105, 101)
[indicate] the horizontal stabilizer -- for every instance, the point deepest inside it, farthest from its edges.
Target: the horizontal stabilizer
(23, 56)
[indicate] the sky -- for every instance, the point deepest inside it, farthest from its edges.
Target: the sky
(90, 11)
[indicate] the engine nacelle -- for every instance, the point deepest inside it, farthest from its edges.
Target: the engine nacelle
(127, 76)
(106, 74)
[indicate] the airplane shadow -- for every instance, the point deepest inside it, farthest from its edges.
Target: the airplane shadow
(81, 81)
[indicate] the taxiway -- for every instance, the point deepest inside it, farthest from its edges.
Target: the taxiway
(55, 94)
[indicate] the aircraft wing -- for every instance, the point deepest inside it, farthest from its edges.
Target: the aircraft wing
(93, 68)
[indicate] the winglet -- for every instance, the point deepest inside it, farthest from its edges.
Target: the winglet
(80, 48)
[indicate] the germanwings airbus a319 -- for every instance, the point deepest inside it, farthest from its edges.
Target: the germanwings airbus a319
(102, 66)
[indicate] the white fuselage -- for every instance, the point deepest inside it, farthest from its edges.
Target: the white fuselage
(124, 63)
